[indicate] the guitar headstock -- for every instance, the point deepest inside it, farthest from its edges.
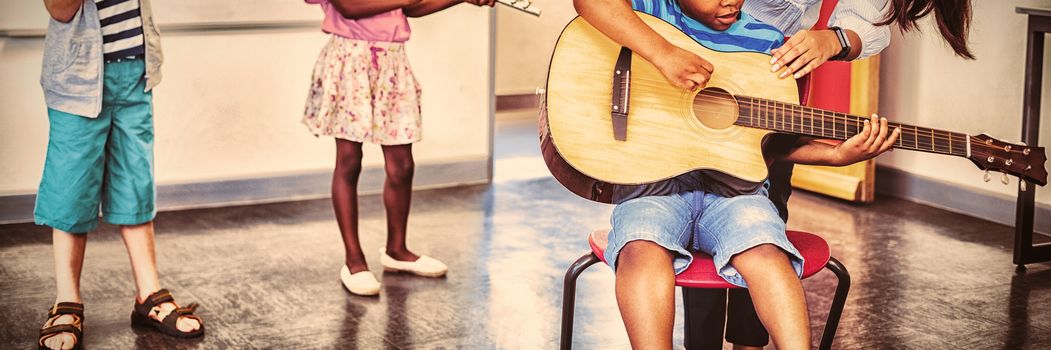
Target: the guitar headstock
(1026, 162)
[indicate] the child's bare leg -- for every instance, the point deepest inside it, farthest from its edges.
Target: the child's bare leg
(646, 294)
(345, 201)
(397, 198)
(69, 261)
(138, 240)
(777, 293)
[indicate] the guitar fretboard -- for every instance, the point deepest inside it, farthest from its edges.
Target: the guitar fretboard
(790, 118)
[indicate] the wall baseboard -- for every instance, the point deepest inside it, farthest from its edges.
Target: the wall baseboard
(307, 185)
(516, 102)
(986, 205)
(982, 204)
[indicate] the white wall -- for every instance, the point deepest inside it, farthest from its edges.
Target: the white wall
(923, 83)
(30, 16)
(230, 103)
(524, 44)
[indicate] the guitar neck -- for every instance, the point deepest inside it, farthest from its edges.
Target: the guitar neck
(784, 117)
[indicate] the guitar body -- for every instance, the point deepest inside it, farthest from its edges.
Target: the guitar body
(665, 135)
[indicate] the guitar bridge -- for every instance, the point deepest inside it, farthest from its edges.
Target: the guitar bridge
(621, 90)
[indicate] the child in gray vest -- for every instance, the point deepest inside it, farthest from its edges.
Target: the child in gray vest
(102, 58)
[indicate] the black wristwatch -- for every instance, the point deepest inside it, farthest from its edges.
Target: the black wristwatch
(844, 44)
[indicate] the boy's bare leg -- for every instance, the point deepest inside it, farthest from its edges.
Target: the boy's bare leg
(777, 293)
(69, 261)
(645, 290)
(138, 240)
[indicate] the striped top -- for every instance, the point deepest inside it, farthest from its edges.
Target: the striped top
(747, 34)
(121, 22)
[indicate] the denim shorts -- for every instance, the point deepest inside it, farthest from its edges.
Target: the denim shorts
(102, 162)
(699, 221)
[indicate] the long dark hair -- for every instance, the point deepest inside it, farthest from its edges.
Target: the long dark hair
(953, 18)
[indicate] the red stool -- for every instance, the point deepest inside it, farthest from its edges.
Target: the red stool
(702, 274)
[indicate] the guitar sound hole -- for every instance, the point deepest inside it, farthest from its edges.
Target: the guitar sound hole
(715, 108)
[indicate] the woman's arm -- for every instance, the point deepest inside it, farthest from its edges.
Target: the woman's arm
(874, 139)
(426, 7)
(808, 49)
(860, 16)
(357, 9)
(63, 10)
(616, 19)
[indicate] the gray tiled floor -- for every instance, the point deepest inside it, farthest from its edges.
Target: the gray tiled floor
(267, 275)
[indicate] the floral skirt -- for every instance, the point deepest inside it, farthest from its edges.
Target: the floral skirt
(364, 91)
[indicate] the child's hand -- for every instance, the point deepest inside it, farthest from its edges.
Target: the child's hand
(683, 69)
(869, 143)
(489, 3)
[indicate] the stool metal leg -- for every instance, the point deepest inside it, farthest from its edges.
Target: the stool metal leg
(569, 293)
(838, 301)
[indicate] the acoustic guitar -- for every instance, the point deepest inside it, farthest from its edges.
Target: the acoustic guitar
(612, 119)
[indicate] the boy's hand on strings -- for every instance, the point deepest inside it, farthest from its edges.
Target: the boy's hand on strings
(873, 140)
(804, 52)
(683, 69)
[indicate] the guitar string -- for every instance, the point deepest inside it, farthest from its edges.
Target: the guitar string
(835, 129)
(943, 147)
(788, 107)
(845, 117)
(851, 119)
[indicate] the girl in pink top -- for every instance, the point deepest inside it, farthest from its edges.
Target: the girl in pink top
(363, 90)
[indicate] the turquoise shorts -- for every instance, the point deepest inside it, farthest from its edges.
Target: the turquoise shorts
(102, 162)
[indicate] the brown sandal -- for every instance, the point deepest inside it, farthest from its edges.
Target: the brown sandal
(51, 329)
(141, 315)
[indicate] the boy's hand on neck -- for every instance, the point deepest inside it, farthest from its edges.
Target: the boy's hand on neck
(874, 139)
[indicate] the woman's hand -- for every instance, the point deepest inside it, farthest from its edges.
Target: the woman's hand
(682, 68)
(804, 52)
(873, 139)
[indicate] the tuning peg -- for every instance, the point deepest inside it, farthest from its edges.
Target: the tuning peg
(986, 176)
(1003, 178)
(1025, 151)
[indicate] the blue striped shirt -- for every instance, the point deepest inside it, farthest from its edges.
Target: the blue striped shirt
(121, 22)
(747, 34)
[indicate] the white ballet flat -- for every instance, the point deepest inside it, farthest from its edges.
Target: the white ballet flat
(361, 283)
(424, 266)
